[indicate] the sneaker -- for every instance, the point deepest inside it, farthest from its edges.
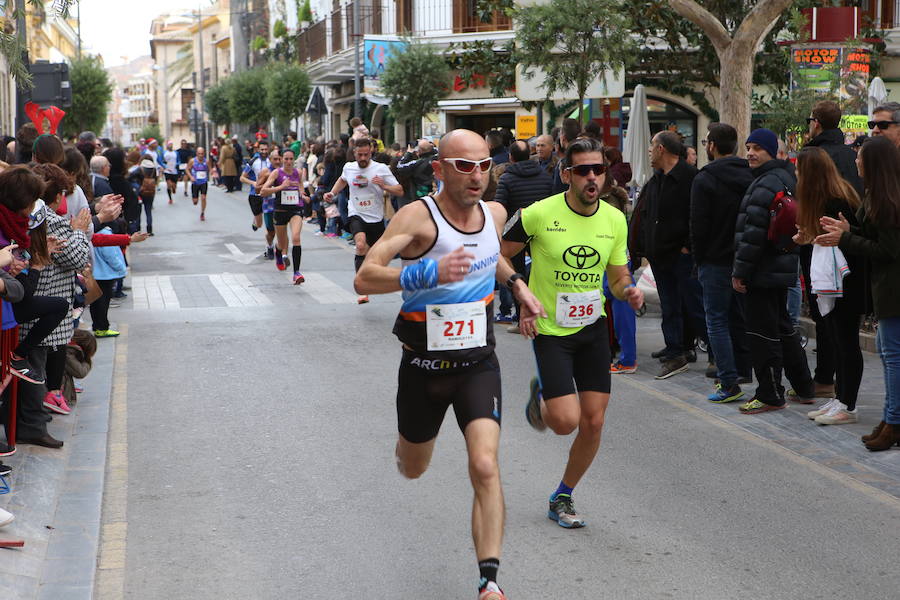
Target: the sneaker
(491, 591)
(202, 217)
(21, 368)
(120, 295)
(287, 261)
(6, 449)
(5, 470)
(562, 510)
(6, 518)
(279, 262)
(330, 235)
(503, 318)
(755, 406)
(623, 369)
(362, 300)
(104, 333)
(723, 396)
(270, 253)
(318, 233)
(673, 366)
(795, 397)
(658, 353)
(837, 415)
(514, 328)
(711, 371)
(298, 278)
(56, 403)
(690, 356)
(822, 410)
(254, 227)
(533, 406)
(115, 303)
(346, 235)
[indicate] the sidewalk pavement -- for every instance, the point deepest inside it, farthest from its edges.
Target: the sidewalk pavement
(835, 447)
(56, 497)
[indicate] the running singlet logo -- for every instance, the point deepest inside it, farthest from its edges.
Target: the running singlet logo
(581, 257)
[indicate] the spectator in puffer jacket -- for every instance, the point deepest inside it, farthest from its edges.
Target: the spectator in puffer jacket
(764, 273)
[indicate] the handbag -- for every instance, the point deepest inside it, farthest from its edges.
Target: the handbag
(93, 288)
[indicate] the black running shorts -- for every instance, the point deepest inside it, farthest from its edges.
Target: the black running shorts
(172, 177)
(574, 362)
(373, 231)
(255, 204)
(197, 190)
(284, 216)
(426, 387)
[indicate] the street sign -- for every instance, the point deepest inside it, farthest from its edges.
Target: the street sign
(526, 126)
(51, 84)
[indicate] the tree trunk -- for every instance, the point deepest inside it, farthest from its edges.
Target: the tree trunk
(581, 109)
(736, 91)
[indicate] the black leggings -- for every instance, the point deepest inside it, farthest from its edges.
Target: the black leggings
(843, 331)
(56, 367)
(49, 312)
(100, 306)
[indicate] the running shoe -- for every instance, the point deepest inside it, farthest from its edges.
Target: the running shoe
(56, 403)
(755, 406)
(673, 366)
(491, 591)
(202, 217)
(533, 407)
(6, 449)
(822, 410)
(298, 278)
(254, 227)
(279, 262)
(503, 318)
(362, 300)
(5, 470)
(346, 235)
(21, 368)
(795, 397)
(287, 261)
(562, 510)
(6, 518)
(104, 333)
(623, 369)
(837, 415)
(270, 253)
(330, 235)
(723, 396)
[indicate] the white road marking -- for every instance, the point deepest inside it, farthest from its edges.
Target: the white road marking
(154, 292)
(236, 254)
(325, 291)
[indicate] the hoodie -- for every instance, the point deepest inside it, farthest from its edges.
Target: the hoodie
(716, 196)
(522, 184)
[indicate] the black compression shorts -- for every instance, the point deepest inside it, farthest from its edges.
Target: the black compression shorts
(373, 231)
(255, 204)
(425, 390)
(172, 177)
(578, 361)
(284, 216)
(198, 190)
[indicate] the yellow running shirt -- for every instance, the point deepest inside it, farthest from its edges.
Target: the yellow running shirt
(569, 254)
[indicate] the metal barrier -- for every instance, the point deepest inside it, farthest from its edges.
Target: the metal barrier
(9, 339)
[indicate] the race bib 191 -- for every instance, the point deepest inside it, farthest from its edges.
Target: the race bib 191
(456, 326)
(290, 197)
(577, 309)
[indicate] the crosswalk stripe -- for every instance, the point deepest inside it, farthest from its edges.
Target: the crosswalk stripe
(154, 292)
(325, 291)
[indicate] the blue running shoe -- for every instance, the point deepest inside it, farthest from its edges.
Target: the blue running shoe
(723, 396)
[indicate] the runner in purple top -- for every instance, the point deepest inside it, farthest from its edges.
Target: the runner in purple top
(287, 185)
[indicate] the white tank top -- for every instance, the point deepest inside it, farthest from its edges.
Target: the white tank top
(477, 286)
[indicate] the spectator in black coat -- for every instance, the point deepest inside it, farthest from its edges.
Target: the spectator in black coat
(523, 182)
(764, 273)
(131, 207)
(494, 138)
(716, 195)
(661, 232)
(414, 168)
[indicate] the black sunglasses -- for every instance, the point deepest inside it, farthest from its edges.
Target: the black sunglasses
(810, 120)
(882, 125)
(583, 170)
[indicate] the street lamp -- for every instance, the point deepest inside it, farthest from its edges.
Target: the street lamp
(165, 89)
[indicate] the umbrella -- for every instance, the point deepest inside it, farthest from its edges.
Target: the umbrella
(637, 138)
(877, 94)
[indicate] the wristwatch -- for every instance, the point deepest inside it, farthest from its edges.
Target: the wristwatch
(513, 279)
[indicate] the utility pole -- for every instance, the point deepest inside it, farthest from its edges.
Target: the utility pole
(200, 115)
(357, 102)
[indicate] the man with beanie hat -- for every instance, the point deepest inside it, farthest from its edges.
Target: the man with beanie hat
(764, 273)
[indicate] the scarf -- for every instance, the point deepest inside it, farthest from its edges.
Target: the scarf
(15, 227)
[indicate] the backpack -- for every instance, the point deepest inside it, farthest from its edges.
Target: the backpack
(148, 186)
(783, 221)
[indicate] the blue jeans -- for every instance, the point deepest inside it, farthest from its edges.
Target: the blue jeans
(678, 289)
(888, 341)
(795, 299)
(725, 323)
(625, 326)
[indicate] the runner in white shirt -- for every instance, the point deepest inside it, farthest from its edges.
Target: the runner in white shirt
(170, 169)
(368, 182)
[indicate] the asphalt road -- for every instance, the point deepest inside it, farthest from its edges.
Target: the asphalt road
(261, 427)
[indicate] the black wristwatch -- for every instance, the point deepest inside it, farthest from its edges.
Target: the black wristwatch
(513, 279)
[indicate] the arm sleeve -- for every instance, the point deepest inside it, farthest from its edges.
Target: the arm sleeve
(343, 174)
(885, 248)
(388, 176)
(29, 280)
(110, 239)
(515, 231)
(75, 255)
(14, 291)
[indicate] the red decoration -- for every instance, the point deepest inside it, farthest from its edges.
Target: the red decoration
(36, 115)
(54, 115)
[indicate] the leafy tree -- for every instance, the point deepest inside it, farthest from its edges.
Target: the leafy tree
(259, 43)
(215, 101)
(572, 41)
(152, 131)
(246, 97)
(11, 46)
(287, 91)
(415, 80)
(279, 29)
(91, 93)
(478, 59)
(304, 12)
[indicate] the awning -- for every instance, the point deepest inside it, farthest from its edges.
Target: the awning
(316, 103)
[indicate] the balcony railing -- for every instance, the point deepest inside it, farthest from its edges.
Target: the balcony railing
(882, 14)
(394, 17)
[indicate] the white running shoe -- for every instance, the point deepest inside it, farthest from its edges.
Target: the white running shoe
(838, 415)
(5, 518)
(822, 409)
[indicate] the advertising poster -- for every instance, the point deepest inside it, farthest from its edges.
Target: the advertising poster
(376, 55)
(818, 65)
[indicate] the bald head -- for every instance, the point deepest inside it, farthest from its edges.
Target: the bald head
(543, 146)
(461, 142)
(424, 147)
